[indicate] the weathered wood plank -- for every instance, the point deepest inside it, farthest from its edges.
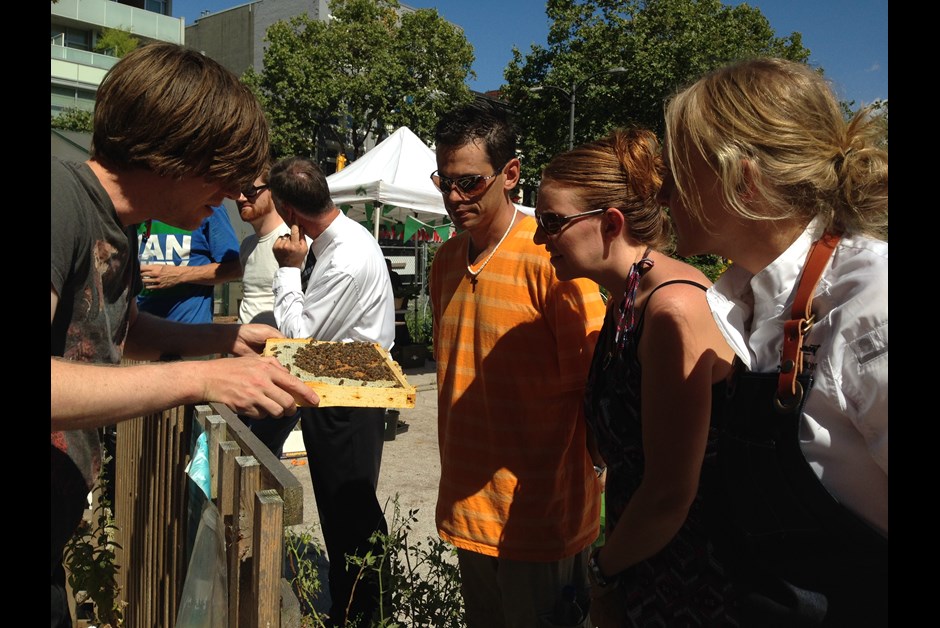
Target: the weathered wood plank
(290, 605)
(249, 483)
(267, 557)
(273, 472)
(228, 451)
(216, 432)
(151, 504)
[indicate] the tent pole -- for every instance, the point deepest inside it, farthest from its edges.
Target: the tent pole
(376, 219)
(419, 276)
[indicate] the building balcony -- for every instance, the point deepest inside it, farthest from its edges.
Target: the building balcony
(82, 57)
(107, 14)
(79, 68)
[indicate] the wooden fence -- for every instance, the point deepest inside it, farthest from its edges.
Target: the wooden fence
(255, 494)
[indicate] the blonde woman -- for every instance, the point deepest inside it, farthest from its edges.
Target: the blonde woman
(765, 171)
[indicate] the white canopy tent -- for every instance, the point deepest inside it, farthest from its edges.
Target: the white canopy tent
(395, 175)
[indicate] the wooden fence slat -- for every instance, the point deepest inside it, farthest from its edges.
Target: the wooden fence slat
(226, 498)
(151, 500)
(250, 484)
(247, 476)
(232, 531)
(273, 472)
(267, 557)
(200, 412)
(161, 487)
(178, 453)
(150, 446)
(216, 433)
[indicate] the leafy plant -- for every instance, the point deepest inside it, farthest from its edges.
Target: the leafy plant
(420, 322)
(116, 42)
(711, 265)
(663, 45)
(367, 69)
(302, 551)
(73, 119)
(422, 581)
(91, 561)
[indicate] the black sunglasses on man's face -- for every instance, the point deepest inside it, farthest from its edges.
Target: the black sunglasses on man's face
(254, 191)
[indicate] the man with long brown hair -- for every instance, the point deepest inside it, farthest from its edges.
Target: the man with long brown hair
(175, 133)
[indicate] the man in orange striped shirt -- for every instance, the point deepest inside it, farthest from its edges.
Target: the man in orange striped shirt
(518, 496)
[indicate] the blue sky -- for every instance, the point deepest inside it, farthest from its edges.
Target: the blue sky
(847, 38)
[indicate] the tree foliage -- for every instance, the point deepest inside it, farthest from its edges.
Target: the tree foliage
(365, 70)
(879, 111)
(116, 42)
(73, 119)
(662, 44)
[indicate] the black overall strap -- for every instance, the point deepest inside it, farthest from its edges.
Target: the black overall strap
(639, 323)
(798, 556)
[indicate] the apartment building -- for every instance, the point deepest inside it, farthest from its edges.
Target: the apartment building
(77, 69)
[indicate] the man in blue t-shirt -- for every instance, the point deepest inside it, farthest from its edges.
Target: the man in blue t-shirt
(181, 268)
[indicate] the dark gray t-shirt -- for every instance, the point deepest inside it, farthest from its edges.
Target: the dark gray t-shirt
(95, 274)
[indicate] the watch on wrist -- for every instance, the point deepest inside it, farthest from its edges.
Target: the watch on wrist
(595, 569)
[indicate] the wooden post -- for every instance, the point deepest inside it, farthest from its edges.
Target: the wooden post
(227, 497)
(215, 433)
(273, 472)
(267, 558)
(247, 477)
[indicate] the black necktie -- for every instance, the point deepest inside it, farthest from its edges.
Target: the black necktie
(307, 269)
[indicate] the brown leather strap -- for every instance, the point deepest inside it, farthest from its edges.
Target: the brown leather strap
(789, 391)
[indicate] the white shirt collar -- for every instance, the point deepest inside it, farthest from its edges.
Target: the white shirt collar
(750, 309)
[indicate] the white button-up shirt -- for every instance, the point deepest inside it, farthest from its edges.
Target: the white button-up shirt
(844, 434)
(349, 293)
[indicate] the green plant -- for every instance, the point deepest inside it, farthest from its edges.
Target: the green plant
(116, 42)
(711, 265)
(302, 551)
(90, 560)
(419, 321)
(73, 119)
(423, 581)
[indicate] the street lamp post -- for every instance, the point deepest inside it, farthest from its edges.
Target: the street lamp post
(572, 96)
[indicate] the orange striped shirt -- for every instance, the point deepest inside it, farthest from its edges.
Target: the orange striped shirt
(513, 352)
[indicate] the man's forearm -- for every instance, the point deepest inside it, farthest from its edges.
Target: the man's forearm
(211, 274)
(87, 396)
(151, 337)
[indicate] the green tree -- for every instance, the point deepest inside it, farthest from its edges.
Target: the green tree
(364, 70)
(116, 42)
(879, 110)
(73, 119)
(662, 44)
(436, 60)
(296, 87)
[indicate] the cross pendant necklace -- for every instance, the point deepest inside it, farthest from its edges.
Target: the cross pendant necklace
(475, 273)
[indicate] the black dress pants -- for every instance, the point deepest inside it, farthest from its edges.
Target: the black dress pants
(344, 453)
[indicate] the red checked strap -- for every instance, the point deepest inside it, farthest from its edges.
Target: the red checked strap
(791, 362)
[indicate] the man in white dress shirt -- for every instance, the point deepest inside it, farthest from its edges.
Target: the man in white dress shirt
(347, 297)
